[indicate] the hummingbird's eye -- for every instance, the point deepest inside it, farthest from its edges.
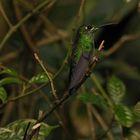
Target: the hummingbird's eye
(88, 27)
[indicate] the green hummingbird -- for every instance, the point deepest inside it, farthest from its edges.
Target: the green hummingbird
(82, 54)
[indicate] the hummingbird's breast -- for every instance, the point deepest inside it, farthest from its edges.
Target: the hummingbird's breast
(81, 56)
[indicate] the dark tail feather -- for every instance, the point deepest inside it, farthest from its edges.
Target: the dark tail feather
(71, 91)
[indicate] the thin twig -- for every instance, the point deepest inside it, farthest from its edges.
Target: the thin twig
(79, 17)
(59, 33)
(92, 126)
(121, 41)
(5, 16)
(93, 77)
(101, 122)
(33, 48)
(9, 56)
(45, 70)
(25, 134)
(23, 29)
(25, 95)
(65, 97)
(63, 64)
(55, 37)
(80, 13)
(38, 88)
(46, 114)
(24, 19)
(56, 74)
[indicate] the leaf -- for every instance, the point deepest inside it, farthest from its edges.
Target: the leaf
(137, 110)
(16, 130)
(93, 99)
(124, 115)
(116, 89)
(40, 78)
(3, 94)
(10, 71)
(10, 80)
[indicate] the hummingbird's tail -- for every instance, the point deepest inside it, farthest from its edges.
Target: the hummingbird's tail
(71, 91)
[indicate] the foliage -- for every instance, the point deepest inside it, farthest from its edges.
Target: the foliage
(3, 94)
(40, 78)
(116, 89)
(36, 39)
(16, 130)
(92, 99)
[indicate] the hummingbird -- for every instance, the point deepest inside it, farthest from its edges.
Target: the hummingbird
(83, 51)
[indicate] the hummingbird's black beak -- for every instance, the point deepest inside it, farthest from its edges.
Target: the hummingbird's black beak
(107, 24)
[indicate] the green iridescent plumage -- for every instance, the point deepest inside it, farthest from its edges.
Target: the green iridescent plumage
(82, 53)
(84, 45)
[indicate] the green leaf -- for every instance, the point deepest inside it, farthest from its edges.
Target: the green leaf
(124, 115)
(137, 111)
(10, 80)
(10, 71)
(116, 89)
(93, 99)
(16, 130)
(3, 94)
(40, 78)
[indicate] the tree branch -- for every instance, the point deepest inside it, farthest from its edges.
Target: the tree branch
(67, 95)
(41, 6)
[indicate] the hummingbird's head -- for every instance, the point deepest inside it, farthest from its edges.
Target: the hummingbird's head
(88, 29)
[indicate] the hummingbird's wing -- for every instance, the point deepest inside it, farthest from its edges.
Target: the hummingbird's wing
(78, 70)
